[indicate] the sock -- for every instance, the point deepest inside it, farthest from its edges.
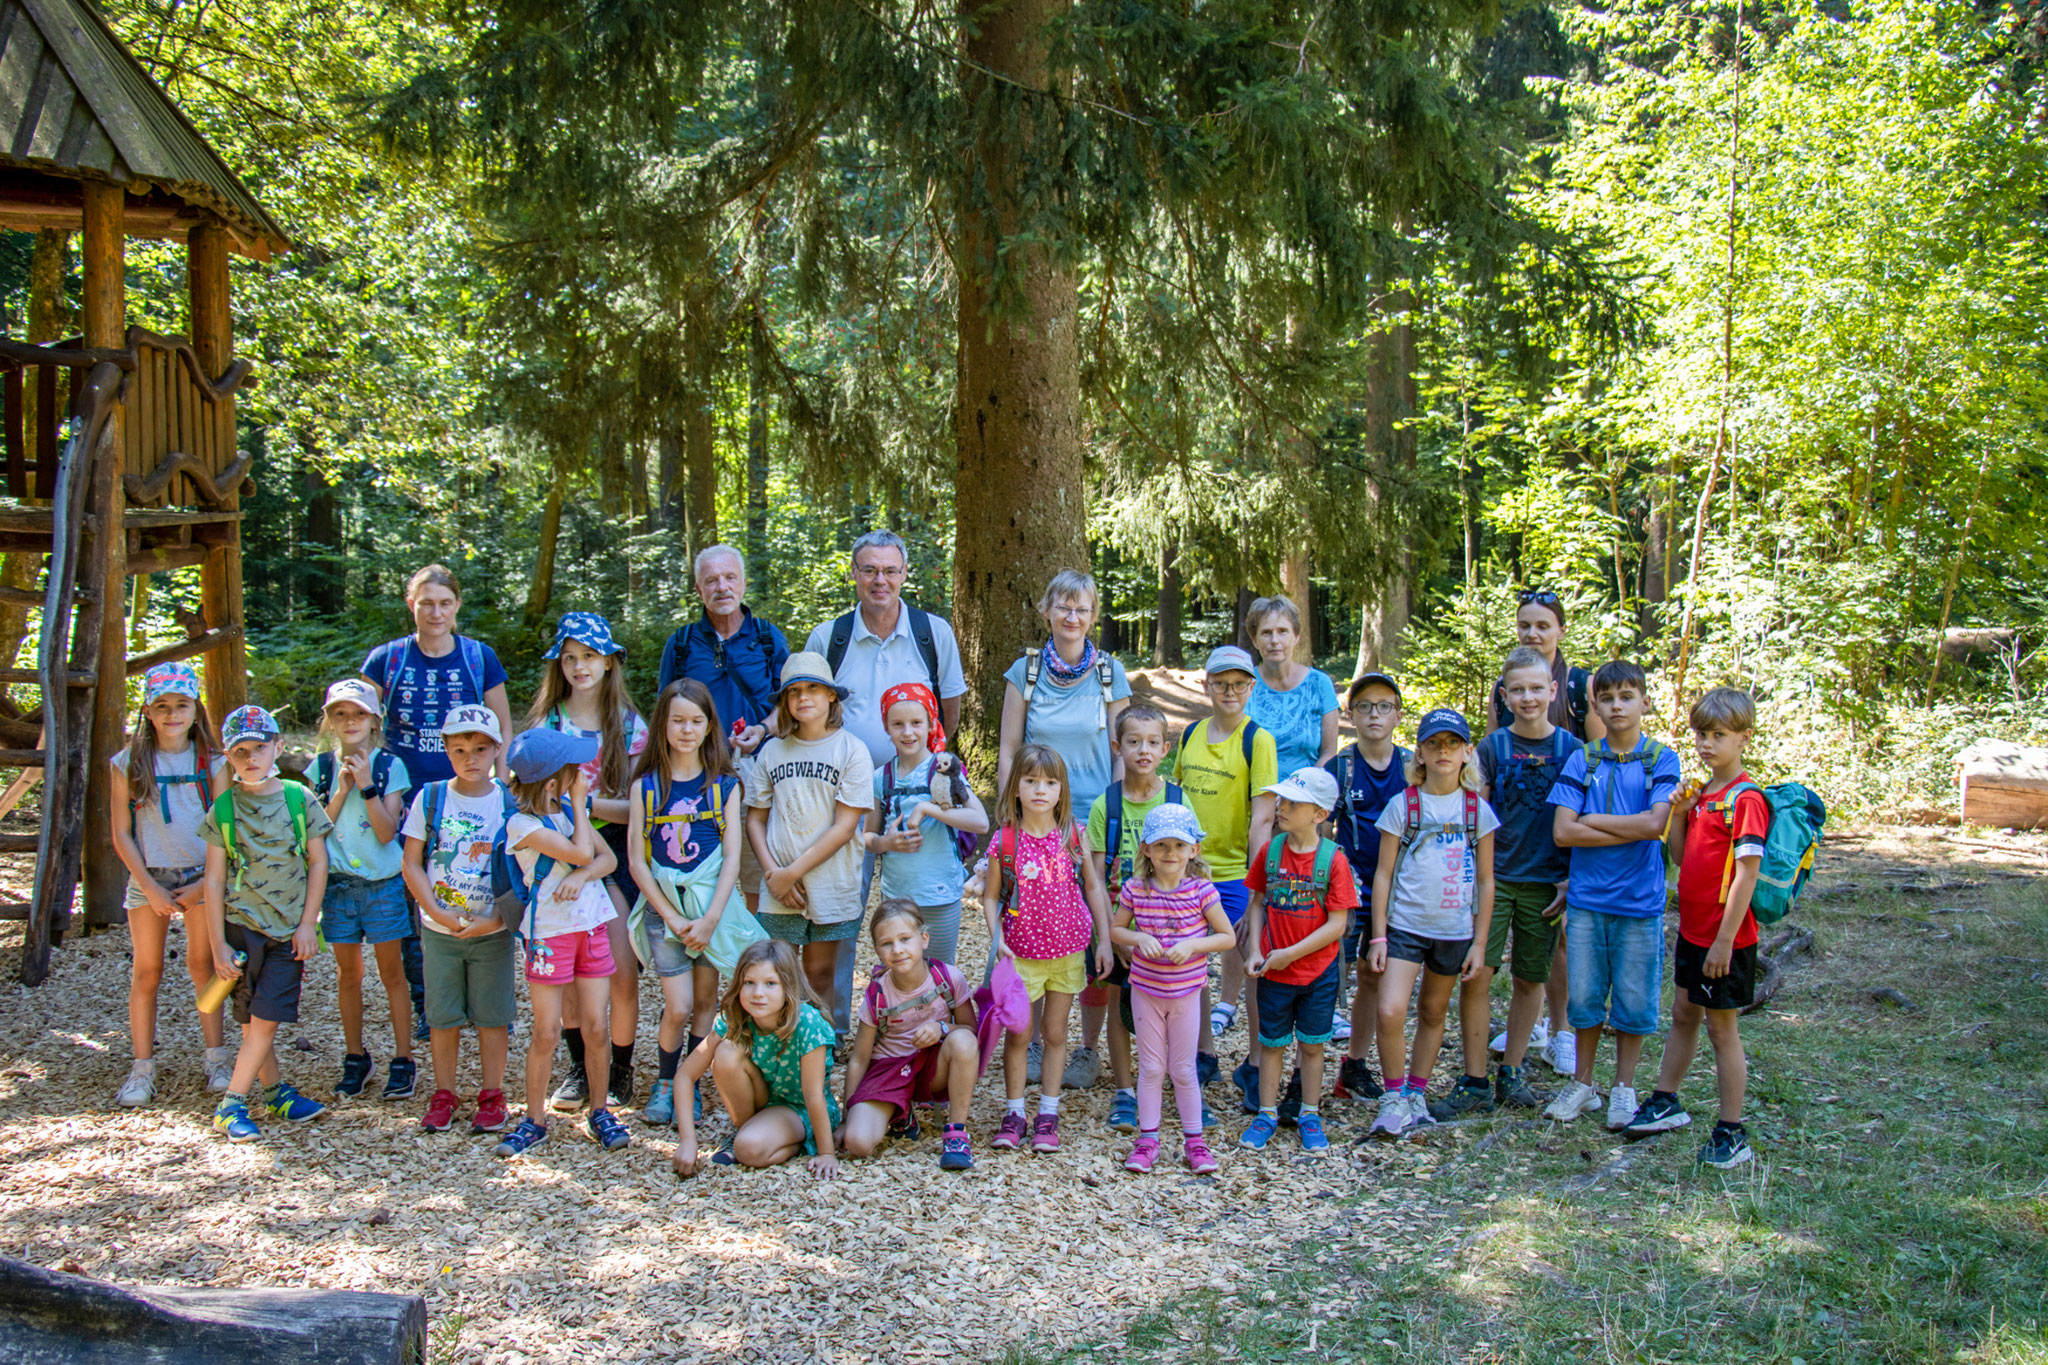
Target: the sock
(1473, 1082)
(1671, 1095)
(1048, 1104)
(573, 1039)
(1014, 1107)
(1415, 1085)
(1127, 1093)
(1152, 1133)
(1729, 1126)
(1269, 1113)
(669, 1059)
(233, 1097)
(1509, 1073)
(1310, 1110)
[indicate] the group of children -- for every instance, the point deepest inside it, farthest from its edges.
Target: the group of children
(614, 844)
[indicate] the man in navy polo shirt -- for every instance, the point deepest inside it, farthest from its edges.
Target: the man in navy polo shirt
(734, 653)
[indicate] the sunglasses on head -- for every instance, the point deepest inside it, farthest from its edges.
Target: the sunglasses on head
(1542, 596)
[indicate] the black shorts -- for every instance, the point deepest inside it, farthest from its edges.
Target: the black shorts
(268, 988)
(1440, 956)
(1735, 991)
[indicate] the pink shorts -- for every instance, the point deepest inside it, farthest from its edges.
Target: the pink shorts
(570, 957)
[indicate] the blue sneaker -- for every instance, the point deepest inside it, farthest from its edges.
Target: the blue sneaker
(608, 1130)
(231, 1116)
(1259, 1133)
(660, 1109)
(1207, 1068)
(285, 1103)
(403, 1077)
(524, 1138)
(1209, 1119)
(1313, 1140)
(1123, 1114)
(1246, 1079)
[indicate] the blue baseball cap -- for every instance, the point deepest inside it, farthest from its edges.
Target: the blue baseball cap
(1443, 721)
(1171, 821)
(585, 628)
(247, 723)
(538, 754)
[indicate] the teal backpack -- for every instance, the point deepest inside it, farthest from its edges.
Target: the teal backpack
(1798, 819)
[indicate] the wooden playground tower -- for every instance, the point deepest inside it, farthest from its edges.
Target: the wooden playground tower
(119, 446)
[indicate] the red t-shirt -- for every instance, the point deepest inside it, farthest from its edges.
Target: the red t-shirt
(1292, 913)
(1709, 833)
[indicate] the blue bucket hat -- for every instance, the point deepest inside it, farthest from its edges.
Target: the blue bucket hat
(1171, 821)
(538, 754)
(585, 628)
(1443, 721)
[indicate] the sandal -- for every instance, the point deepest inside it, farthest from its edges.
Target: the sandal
(1221, 1017)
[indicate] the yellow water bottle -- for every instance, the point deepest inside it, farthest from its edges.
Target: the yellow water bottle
(214, 992)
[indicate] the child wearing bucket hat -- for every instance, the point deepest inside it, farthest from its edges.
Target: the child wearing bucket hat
(812, 783)
(163, 785)
(584, 694)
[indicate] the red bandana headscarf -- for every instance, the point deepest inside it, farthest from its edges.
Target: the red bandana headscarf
(922, 695)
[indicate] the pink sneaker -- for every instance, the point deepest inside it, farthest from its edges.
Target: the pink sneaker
(1046, 1136)
(1143, 1155)
(1011, 1135)
(1200, 1160)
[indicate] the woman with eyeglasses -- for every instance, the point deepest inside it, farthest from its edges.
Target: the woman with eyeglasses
(1295, 703)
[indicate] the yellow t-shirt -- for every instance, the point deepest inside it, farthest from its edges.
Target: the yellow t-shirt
(1220, 789)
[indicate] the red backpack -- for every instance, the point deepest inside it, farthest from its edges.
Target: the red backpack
(952, 987)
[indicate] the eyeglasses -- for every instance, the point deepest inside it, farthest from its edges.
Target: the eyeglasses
(889, 571)
(1377, 708)
(1541, 596)
(1238, 689)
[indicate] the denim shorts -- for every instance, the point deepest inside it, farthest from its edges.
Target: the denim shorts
(355, 910)
(1615, 969)
(667, 956)
(800, 929)
(1298, 1013)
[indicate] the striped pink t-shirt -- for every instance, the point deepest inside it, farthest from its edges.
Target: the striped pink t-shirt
(1169, 916)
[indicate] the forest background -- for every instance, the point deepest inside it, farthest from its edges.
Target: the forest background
(1726, 321)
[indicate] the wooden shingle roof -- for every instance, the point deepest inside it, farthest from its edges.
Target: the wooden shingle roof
(76, 105)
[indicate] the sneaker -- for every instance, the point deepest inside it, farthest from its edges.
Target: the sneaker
(1465, 1100)
(1621, 1107)
(1143, 1154)
(1199, 1158)
(724, 1156)
(1290, 1102)
(1575, 1099)
(1314, 1140)
(1511, 1089)
(1392, 1120)
(420, 1032)
(661, 1105)
(1246, 1079)
(1563, 1052)
(1221, 1017)
(956, 1150)
(572, 1092)
(1259, 1133)
(1660, 1114)
(1045, 1134)
(904, 1126)
(1539, 1038)
(1123, 1114)
(1207, 1068)
(1010, 1136)
(1034, 1058)
(231, 1116)
(1340, 1028)
(1726, 1149)
(140, 1087)
(608, 1130)
(1418, 1113)
(399, 1081)
(491, 1114)
(1357, 1081)
(220, 1069)
(1083, 1069)
(440, 1115)
(527, 1136)
(619, 1088)
(285, 1102)
(355, 1074)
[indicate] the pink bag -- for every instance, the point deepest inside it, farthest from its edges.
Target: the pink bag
(1002, 1004)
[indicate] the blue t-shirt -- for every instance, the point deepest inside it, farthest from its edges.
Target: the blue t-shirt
(1627, 879)
(743, 674)
(1519, 775)
(1294, 717)
(682, 844)
(421, 693)
(932, 875)
(1362, 793)
(1070, 719)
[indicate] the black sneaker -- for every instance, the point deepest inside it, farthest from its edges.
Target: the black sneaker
(1357, 1081)
(1470, 1097)
(1290, 1103)
(1511, 1089)
(420, 1032)
(1246, 1079)
(1659, 1114)
(355, 1074)
(398, 1084)
(619, 1089)
(1726, 1149)
(572, 1092)
(1207, 1068)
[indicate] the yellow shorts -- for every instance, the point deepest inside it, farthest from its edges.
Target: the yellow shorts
(1062, 975)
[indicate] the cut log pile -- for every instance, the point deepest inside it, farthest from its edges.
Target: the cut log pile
(2004, 785)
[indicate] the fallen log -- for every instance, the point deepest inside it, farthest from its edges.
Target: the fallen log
(48, 1317)
(1773, 958)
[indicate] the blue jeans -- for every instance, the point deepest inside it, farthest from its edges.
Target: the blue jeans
(1616, 966)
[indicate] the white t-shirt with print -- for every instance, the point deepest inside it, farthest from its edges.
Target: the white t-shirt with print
(550, 916)
(1437, 877)
(460, 864)
(803, 783)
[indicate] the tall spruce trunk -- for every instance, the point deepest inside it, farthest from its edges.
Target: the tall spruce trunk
(1390, 400)
(1020, 504)
(758, 399)
(542, 589)
(700, 417)
(327, 586)
(1166, 646)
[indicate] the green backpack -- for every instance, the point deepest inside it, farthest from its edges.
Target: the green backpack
(1599, 753)
(1798, 819)
(295, 798)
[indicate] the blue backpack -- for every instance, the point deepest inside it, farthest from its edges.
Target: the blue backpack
(511, 897)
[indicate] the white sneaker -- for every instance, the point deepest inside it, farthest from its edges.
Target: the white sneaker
(140, 1087)
(1539, 1038)
(1575, 1099)
(1340, 1029)
(1621, 1107)
(1563, 1052)
(1393, 1116)
(220, 1068)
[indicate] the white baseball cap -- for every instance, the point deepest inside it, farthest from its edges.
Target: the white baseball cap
(1309, 786)
(472, 720)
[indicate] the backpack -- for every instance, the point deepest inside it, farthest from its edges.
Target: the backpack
(467, 651)
(1113, 828)
(1647, 755)
(649, 819)
(1326, 857)
(1004, 849)
(200, 762)
(966, 843)
(1105, 677)
(1798, 820)
(1411, 824)
(920, 631)
(1250, 731)
(512, 897)
(224, 816)
(325, 768)
(767, 648)
(944, 976)
(1347, 768)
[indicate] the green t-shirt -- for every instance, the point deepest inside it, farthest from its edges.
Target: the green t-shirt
(1220, 791)
(272, 895)
(1117, 868)
(782, 1063)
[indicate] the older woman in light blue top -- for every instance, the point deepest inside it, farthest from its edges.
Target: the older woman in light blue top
(1066, 694)
(1294, 702)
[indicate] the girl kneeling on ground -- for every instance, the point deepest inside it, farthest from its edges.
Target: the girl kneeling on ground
(916, 1042)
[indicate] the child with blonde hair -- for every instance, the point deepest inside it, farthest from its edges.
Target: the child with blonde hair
(916, 1043)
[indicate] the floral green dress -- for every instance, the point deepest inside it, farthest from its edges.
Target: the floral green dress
(782, 1066)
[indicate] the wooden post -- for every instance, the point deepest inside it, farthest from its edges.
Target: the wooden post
(220, 577)
(106, 562)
